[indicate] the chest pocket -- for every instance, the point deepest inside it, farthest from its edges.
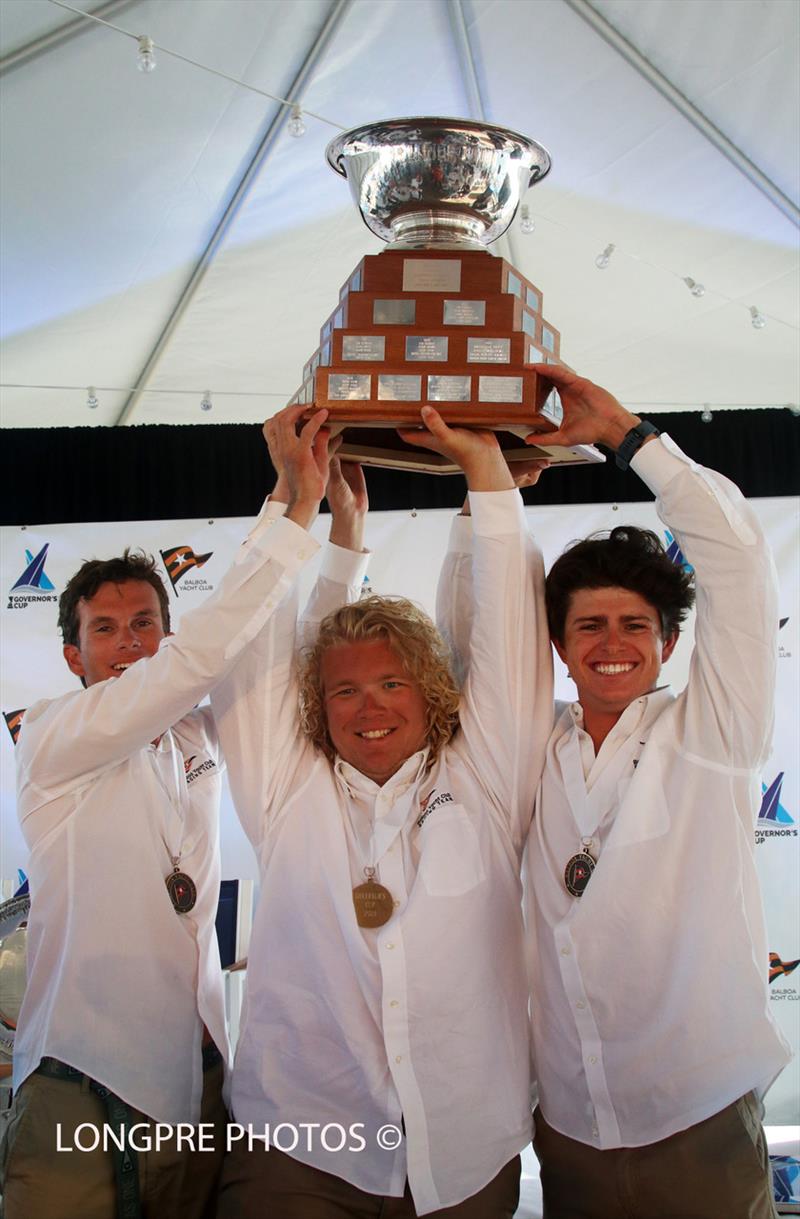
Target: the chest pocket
(450, 862)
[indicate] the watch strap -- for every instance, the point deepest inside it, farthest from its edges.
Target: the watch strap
(633, 441)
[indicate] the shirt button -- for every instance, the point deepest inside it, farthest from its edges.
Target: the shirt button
(394, 1003)
(595, 1133)
(592, 1059)
(395, 902)
(389, 945)
(565, 952)
(580, 1005)
(398, 1057)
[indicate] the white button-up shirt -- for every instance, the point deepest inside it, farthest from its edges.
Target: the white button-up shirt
(119, 984)
(421, 1023)
(649, 992)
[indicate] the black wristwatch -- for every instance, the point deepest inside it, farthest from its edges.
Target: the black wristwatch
(633, 441)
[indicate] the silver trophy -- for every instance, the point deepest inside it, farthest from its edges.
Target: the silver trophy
(437, 183)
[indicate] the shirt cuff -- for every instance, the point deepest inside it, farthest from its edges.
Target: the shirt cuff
(283, 540)
(497, 512)
(460, 541)
(344, 566)
(659, 461)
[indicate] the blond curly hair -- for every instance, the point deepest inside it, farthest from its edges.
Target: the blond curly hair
(414, 638)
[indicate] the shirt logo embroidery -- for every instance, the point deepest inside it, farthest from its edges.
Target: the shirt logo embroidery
(191, 775)
(431, 805)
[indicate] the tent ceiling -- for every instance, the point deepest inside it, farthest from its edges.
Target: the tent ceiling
(114, 183)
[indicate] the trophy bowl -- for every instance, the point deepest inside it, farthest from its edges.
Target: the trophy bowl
(437, 183)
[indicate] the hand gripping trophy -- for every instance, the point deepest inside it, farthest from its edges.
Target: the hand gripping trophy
(435, 317)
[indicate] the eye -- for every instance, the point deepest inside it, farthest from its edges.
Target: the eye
(393, 685)
(144, 622)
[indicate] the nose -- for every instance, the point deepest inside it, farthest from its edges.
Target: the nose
(129, 638)
(371, 701)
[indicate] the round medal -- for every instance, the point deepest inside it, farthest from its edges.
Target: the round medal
(182, 891)
(374, 904)
(578, 872)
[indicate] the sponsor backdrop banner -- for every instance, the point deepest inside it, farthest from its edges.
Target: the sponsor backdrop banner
(36, 562)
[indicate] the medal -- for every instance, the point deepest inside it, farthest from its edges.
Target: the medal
(373, 902)
(579, 870)
(182, 890)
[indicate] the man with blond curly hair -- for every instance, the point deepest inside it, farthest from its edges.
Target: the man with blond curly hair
(384, 1053)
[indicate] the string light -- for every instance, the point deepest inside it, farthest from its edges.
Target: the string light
(706, 415)
(296, 127)
(91, 398)
(602, 260)
(693, 286)
(757, 320)
(205, 402)
(526, 224)
(147, 56)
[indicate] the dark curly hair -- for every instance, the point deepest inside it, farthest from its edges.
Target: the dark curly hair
(627, 557)
(131, 565)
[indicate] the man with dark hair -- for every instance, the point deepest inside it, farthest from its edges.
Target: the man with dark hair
(123, 1019)
(130, 565)
(653, 1042)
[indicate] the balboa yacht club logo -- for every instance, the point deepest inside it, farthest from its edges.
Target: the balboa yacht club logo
(780, 972)
(179, 560)
(33, 587)
(194, 772)
(774, 821)
(13, 721)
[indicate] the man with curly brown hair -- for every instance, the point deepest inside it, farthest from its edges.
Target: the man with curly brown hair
(384, 1053)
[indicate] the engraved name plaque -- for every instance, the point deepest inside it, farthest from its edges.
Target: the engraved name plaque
(449, 389)
(500, 389)
(488, 351)
(534, 355)
(426, 347)
(532, 300)
(464, 313)
(514, 285)
(363, 347)
(548, 339)
(343, 387)
(529, 323)
(399, 388)
(432, 275)
(394, 313)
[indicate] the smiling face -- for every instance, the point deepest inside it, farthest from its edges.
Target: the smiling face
(614, 651)
(377, 714)
(119, 625)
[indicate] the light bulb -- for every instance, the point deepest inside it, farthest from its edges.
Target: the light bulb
(706, 415)
(205, 402)
(757, 320)
(91, 398)
(693, 286)
(602, 260)
(526, 224)
(147, 57)
(296, 126)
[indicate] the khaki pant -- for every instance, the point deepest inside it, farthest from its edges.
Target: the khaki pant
(39, 1182)
(718, 1169)
(271, 1185)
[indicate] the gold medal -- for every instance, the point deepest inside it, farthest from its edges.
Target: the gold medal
(373, 902)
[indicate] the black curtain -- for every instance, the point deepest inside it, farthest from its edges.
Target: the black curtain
(54, 475)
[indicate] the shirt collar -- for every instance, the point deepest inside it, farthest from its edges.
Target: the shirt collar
(407, 776)
(640, 713)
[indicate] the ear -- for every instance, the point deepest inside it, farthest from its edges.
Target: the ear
(559, 647)
(669, 646)
(72, 655)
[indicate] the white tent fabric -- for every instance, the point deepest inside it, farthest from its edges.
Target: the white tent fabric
(128, 196)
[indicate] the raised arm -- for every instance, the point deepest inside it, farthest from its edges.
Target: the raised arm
(256, 707)
(62, 742)
(727, 707)
(507, 701)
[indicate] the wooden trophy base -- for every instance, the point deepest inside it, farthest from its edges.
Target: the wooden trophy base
(459, 330)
